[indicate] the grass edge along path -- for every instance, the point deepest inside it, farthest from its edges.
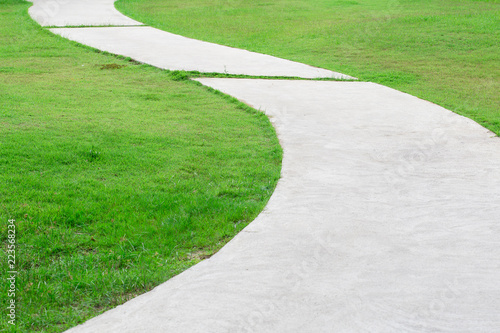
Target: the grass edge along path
(443, 51)
(117, 175)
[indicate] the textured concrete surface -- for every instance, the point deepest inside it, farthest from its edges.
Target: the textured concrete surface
(62, 13)
(386, 220)
(156, 47)
(174, 52)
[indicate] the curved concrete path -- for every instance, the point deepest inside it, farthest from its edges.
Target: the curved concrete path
(160, 48)
(168, 51)
(386, 219)
(61, 13)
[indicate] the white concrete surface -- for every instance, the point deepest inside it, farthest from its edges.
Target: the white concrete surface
(156, 47)
(386, 220)
(60, 13)
(174, 52)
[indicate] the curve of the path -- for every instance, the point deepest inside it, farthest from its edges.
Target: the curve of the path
(159, 48)
(61, 13)
(386, 219)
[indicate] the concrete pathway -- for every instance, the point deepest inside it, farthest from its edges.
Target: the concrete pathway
(159, 48)
(174, 52)
(386, 219)
(61, 13)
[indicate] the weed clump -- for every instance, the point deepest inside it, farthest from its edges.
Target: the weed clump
(179, 76)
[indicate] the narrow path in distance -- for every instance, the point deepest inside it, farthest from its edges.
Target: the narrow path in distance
(125, 37)
(385, 218)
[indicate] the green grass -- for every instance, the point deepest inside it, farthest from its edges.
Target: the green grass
(118, 175)
(444, 51)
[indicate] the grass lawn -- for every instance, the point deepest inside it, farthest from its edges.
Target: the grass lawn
(444, 51)
(118, 176)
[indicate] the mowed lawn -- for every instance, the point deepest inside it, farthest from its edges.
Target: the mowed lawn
(444, 51)
(118, 176)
